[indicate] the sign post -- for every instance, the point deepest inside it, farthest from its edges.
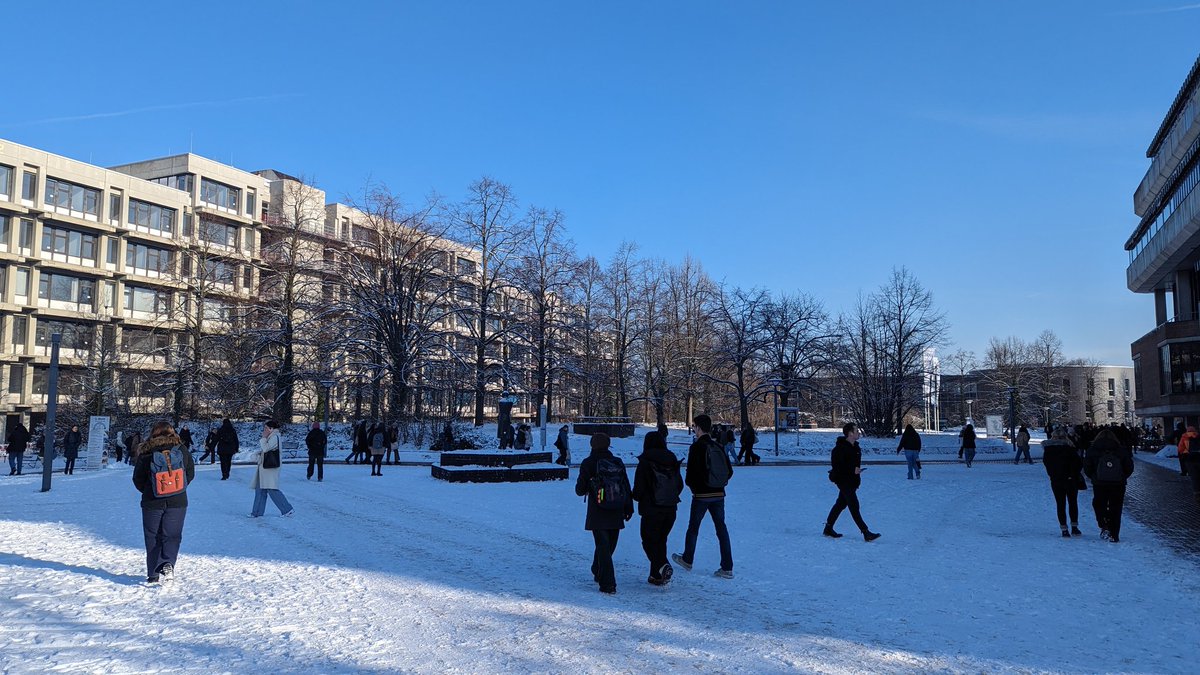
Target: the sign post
(97, 441)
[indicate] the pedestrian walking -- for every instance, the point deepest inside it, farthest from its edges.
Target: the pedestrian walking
(18, 440)
(1022, 440)
(185, 435)
(266, 479)
(604, 482)
(1109, 466)
(910, 443)
(228, 445)
(967, 448)
(391, 454)
(161, 473)
(1184, 447)
(846, 473)
(1063, 467)
(749, 438)
(316, 441)
(657, 484)
(378, 444)
(708, 472)
(210, 446)
(71, 444)
(563, 443)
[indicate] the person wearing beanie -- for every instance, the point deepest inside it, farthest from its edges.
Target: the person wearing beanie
(706, 497)
(316, 440)
(846, 473)
(1063, 467)
(604, 482)
(657, 484)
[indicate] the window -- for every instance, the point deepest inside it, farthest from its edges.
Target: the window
(68, 289)
(26, 234)
(147, 258)
(179, 182)
(147, 300)
(145, 342)
(1126, 387)
(29, 186)
(6, 174)
(111, 258)
(250, 203)
(16, 379)
(330, 227)
(75, 199)
(248, 239)
(21, 285)
(74, 335)
(218, 271)
(1091, 386)
(1112, 387)
(219, 194)
(466, 266)
(1111, 408)
(69, 243)
(247, 277)
(20, 326)
(218, 233)
(1137, 377)
(1164, 373)
(465, 293)
(114, 206)
(1181, 367)
(5, 231)
(156, 219)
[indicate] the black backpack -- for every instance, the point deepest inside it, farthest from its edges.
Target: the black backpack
(1108, 468)
(667, 484)
(716, 465)
(610, 485)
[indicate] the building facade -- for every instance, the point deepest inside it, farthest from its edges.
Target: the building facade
(1164, 259)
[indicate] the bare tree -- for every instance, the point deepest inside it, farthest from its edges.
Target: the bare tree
(622, 283)
(740, 349)
(689, 308)
(797, 348)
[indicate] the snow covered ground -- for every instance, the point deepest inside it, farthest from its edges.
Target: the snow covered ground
(409, 574)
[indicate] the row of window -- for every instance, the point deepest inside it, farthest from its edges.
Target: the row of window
(1184, 187)
(77, 382)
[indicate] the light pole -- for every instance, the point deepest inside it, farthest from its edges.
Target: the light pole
(969, 402)
(775, 389)
(51, 406)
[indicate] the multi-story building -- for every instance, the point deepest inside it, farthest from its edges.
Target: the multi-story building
(1164, 259)
(1068, 394)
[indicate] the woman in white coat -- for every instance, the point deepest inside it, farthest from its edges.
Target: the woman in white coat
(266, 481)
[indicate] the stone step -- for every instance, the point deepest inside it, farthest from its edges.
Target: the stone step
(498, 474)
(494, 458)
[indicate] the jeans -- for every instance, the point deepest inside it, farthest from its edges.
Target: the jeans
(319, 462)
(16, 460)
(656, 527)
(226, 464)
(1107, 501)
(912, 456)
(970, 455)
(260, 501)
(1022, 450)
(716, 507)
(847, 498)
(1065, 494)
(163, 531)
(602, 564)
(733, 457)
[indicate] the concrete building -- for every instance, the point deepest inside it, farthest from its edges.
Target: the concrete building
(1070, 394)
(1164, 259)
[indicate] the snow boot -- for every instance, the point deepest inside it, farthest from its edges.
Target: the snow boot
(1066, 533)
(829, 531)
(1075, 530)
(871, 536)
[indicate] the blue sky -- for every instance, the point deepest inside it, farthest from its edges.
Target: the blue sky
(993, 148)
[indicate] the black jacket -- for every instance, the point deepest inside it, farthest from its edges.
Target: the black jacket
(643, 479)
(210, 441)
(1100, 445)
(697, 470)
(598, 518)
(186, 437)
(71, 444)
(315, 441)
(1061, 460)
(142, 479)
(845, 458)
(749, 438)
(227, 440)
(910, 440)
(968, 439)
(18, 438)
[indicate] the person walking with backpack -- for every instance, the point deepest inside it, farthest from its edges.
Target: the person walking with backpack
(1022, 445)
(228, 445)
(563, 443)
(315, 441)
(657, 485)
(910, 443)
(967, 449)
(846, 460)
(1063, 467)
(266, 476)
(18, 440)
(604, 483)
(71, 444)
(378, 443)
(708, 472)
(1109, 466)
(185, 435)
(161, 473)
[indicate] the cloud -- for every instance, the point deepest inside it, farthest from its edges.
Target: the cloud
(1162, 10)
(147, 109)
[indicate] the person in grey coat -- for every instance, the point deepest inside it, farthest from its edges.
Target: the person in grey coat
(266, 481)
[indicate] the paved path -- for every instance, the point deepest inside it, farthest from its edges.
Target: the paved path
(1162, 500)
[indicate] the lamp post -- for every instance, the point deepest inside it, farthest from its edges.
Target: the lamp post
(775, 390)
(51, 406)
(969, 402)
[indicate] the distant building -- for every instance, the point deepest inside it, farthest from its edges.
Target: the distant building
(1164, 256)
(1068, 395)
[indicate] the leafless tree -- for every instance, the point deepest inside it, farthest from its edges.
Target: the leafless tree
(739, 356)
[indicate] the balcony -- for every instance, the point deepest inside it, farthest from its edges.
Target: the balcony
(1172, 247)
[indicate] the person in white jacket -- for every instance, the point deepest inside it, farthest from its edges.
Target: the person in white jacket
(266, 481)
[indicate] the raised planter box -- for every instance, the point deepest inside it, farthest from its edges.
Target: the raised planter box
(613, 429)
(499, 474)
(497, 458)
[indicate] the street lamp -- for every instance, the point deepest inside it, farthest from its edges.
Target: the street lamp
(969, 402)
(775, 382)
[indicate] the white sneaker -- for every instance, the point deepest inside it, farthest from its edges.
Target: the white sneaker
(289, 514)
(681, 562)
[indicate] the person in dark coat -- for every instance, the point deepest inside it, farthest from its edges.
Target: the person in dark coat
(1108, 485)
(563, 443)
(1063, 467)
(315, 441)
(18, 441)
(967, 448)
(228, 445)
(706, 499)
(507, 436)
(605, 525)
(185, 435)
(71, 449)
(657, 518)
(162, 517)
(210, 446)
(910, 443)
(749, 438)
(447, 436)
(846, 460)
(133, 440)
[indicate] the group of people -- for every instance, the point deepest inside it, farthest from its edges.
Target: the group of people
(515, 436)
(19, 439)
(373, 443)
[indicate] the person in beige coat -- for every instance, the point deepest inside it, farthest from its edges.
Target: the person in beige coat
(266, 481)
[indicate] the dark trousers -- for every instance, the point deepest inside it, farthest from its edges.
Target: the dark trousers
(847, 498)
(1183, 463)
(716, 508)
(656, 527)
(226, 464)
(16, 461)
(1065, 495)
(70, 466)
(602, 564)
(1194, 472)
(747, 452)
(1022, 450)
(163, 530)
(210, 454)
(1107, 500)
(319, 462)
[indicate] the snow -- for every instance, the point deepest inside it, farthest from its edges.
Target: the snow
(412, 574)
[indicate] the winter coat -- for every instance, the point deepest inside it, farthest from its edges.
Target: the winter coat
(1062, 461)
(643, 479)
(749, 438)
(563, 443)
(378, 441)
(909, 440)
(210, 441)
(227, 440)
(697, 470)
(1185, 442)
(1023, 440)
(266, 479)
(143, 481)
(968, 439)
(71, 444)
(315, 441)
(598, 518)
(845, 458)
(18, 439)
(186, 437)
(1100, 445)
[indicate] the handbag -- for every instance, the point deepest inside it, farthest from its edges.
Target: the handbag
(271, 459)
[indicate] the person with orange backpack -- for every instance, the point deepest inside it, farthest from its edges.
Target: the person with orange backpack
(1185, 445)
(162, 471)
